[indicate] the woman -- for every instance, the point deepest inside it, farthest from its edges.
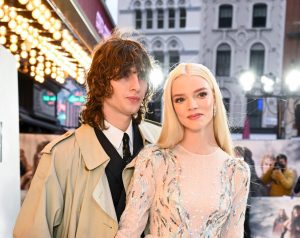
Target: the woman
(278, 225)
(292, 226)
(189, 184)
(267, 162)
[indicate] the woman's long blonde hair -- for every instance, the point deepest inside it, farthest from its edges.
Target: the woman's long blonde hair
(172, 130)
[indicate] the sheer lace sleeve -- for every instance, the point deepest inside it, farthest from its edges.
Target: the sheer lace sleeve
(241, 183)
(139, 199)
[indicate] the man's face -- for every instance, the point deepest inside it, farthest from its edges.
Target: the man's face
(283, 162)
(128, 94)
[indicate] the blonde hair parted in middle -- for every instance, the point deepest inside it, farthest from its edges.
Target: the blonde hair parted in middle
(172, 130)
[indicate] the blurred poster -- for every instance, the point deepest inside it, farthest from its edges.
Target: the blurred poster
(31, 146)
(0, 142)
(274, 212)
(276, 217)
(261, 149)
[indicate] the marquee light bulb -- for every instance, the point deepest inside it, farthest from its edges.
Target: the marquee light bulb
(2, 40)
(13, 47)
(2, 30)
(23, 2)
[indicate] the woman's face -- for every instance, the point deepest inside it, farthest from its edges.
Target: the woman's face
(193, 102)
(296, 212)
(281, 212)
(267, 163)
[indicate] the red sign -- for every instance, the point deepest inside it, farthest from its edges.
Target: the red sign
(98, 16)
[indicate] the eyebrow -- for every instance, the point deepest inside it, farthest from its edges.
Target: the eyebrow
(195, 91)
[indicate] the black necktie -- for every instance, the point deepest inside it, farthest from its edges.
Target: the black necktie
(126, 149)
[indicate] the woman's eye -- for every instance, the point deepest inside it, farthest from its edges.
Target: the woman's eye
(202, 94)
(178, 100)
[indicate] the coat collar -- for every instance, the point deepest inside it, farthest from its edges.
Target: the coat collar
(92, 152)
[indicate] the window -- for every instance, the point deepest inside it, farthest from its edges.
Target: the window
(259, 15)
(223, 60)
(182, 18)
(138, 19)
(225, 16)
(173, 59)
(159, 56)
(257, 59)
(160, 18)
(255, 112)
(226, 102)
(171, 18)
(149, 16)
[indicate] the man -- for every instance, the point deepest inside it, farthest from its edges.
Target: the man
(297, 186)
(77, 190)
(279, 177)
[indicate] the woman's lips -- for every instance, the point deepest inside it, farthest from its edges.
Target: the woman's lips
(195, 116)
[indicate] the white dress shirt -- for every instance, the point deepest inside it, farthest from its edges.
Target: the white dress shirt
(115, 136)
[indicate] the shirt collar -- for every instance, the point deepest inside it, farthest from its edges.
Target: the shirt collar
(115, 135)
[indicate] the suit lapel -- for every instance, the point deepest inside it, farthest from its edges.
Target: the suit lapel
(116, 163)
(138, 142)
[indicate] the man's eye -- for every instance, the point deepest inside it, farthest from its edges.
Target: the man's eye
(125, 74)
(178, 100)
(142, 76)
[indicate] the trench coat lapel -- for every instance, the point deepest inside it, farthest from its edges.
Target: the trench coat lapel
(94, 156)
(103, 198)
(92, 152)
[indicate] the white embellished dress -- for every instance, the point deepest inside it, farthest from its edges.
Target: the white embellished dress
(182, 194)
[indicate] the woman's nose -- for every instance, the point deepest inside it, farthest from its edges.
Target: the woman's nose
(192, 104)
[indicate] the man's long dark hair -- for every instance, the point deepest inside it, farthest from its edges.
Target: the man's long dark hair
(113, 59)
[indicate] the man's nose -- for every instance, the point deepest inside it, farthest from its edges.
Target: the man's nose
(135, 83)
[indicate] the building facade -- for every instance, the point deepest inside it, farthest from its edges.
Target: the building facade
(170, 29)
(229, 37)
(240, 36)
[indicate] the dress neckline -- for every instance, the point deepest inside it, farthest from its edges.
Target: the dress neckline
(195, 155)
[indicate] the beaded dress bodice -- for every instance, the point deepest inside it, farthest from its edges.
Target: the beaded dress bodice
(186, 195)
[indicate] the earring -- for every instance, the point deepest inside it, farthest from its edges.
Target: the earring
(214, 111)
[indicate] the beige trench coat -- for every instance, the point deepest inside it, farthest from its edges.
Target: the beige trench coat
(69, 195)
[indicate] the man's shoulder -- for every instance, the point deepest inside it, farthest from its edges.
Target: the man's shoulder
(290, 172)
(150, 130)
(55, 142)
